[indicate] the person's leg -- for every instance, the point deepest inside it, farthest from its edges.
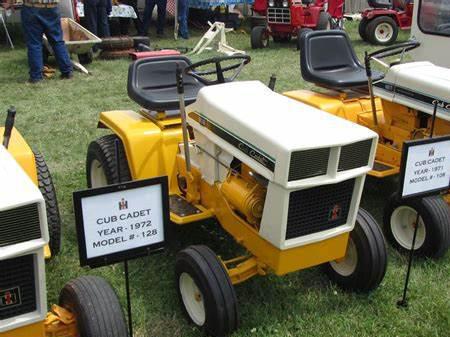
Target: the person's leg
(33, 36)
(149, 6)
(51, 21)
(137, 22)
(102, 19)
(183, 12)
(162, 4)
(90, 14)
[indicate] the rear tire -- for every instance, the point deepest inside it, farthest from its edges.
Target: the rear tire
(362, 28)
(382, 30)
(259, 37)
(101, 162)
(51, 203)
(205, 291)
(324, 22)
(364, 266)
(433, 235)
(96, 306)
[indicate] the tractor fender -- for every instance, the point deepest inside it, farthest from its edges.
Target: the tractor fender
(372, 14)
(22, 153)
(150, 149)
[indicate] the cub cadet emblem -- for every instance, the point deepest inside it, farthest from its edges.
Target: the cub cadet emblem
(123, 204)
(335, 213)
(9, 298)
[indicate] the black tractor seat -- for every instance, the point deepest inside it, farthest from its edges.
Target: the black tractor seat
(152, 83)
(327, 59)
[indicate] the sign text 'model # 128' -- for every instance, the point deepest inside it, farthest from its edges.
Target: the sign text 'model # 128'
(121, 221)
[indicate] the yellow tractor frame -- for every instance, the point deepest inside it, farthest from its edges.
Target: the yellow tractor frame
(396, 124)
(151, 147)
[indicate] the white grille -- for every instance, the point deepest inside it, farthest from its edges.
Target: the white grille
(279, 15)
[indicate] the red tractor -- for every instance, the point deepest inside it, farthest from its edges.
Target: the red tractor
(381, 22)
(288, 18)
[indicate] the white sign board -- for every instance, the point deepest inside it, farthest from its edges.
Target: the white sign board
(425, 167)
(122, 221)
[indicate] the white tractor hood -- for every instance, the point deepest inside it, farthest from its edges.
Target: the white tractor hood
(417, 85)
(265, 126)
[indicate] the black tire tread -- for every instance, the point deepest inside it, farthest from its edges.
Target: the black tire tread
(256, 37)
(435, 212)
(369, 273)
(104, 150)
(204, 260)
(324, 21)
(362, 28)
(47, 189)
(96, 305)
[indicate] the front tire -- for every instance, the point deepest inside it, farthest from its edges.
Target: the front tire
(101, 162)
(96, 307)
(324, 22)
(433, 234)
(205, 291)
(382, 31)
(47, 189)
(259, 37)
(364, 266)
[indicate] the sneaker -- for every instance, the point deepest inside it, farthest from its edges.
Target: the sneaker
(67, 76)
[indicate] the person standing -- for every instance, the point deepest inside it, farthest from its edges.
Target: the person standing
(183, 13)
(125, 22)
(42, 17)
(149, 6)
(96, 13)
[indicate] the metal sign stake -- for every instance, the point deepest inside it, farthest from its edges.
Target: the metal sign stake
(404, 301)
(125, 263)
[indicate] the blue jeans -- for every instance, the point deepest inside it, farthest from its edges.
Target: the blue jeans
(35, 23)
(183, 13)
(149, 6)
(96, 14)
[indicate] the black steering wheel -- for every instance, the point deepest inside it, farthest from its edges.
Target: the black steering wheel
(394, 50)
(241, 61)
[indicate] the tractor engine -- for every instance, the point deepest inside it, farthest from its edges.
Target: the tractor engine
(292, 14)
(23, 236)
(292, 172)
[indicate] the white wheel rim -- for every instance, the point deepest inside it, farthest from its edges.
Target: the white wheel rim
(98, 176)
(384, 32)
(347, 265)
(192, 299)
(403, 222)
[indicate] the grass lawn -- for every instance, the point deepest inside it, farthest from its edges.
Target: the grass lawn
(59, 119)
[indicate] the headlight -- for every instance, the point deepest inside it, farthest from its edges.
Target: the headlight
(285, 3)
(271, 3)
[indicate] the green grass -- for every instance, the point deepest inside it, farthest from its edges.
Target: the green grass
(59, 119)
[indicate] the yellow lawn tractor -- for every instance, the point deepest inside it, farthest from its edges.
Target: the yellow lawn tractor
(399, 107)
(283, 179)
(88, 306)
(33, 163)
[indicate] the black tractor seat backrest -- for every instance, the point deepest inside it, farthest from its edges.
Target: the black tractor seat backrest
(327, 59)
(152, 83)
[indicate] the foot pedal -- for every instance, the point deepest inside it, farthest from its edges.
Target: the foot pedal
(182, 212)
(381, 170)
